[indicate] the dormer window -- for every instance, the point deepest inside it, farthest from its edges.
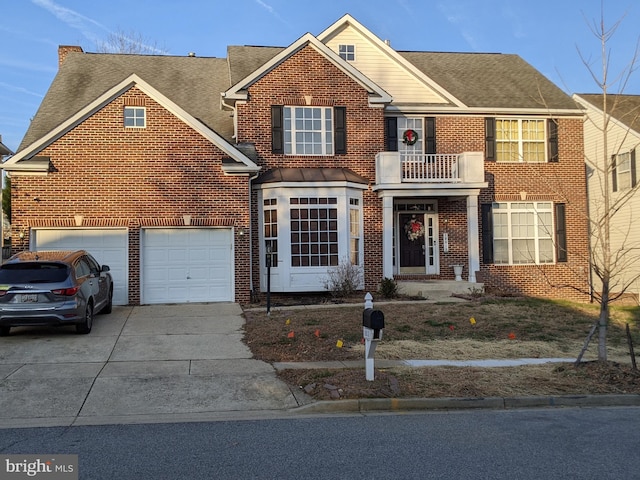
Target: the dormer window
(347, 52)
(135, 117)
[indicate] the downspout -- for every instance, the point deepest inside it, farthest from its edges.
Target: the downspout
(232, 107)
(251, 289)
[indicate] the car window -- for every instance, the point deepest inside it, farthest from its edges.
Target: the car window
(33, 273)
(82, 268)
(93, 265)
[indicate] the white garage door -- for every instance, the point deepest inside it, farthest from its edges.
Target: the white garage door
(109, 246)
(181, 265)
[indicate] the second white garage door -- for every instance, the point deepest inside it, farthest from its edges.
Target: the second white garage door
(182, 265)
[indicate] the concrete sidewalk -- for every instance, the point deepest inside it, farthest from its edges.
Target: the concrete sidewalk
(139, 364)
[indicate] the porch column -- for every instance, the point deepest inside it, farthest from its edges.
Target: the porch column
(387, 237)
(473, 236)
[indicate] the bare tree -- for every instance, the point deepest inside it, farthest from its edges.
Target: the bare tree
(610, 260)
(129, 42)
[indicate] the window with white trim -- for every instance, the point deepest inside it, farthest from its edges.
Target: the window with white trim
(354, 231)
(413, 125)
(347, 52)
(308, 130)
(523, 233)
(623, 171)
(314, 231)
(270, 226)
(135, 117)
(520, 140)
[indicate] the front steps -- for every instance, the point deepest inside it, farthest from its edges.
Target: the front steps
(430, 289)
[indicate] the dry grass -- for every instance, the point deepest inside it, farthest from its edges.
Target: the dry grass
(485, 328)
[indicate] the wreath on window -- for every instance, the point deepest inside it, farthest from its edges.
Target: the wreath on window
(409, 137)
(414, 229)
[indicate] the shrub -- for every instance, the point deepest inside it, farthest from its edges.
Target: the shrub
(344, 279)
(388, 288)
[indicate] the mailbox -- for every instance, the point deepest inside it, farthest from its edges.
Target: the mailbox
(372, 326)
(373, 319)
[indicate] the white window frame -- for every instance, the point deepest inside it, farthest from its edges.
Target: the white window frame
(355, 232)
(347, 52)
(284, 276)
(623, 175)
(308, 131)
(523, 223)
(136, 114)
(417, 125)
(503, 138)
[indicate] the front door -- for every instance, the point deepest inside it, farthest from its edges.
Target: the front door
(418, 245)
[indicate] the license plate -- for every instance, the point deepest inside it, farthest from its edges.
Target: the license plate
(28, 297)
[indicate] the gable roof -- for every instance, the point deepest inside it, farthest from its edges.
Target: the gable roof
(624, 108)
(238, 91)
(191, 82)
(87, 84)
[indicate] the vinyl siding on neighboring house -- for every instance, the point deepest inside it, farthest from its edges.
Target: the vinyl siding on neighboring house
(624, 227)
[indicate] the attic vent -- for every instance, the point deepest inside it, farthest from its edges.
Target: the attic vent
(387, 42)
(192, 54)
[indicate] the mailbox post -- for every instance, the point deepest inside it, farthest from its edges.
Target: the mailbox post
(372, 326)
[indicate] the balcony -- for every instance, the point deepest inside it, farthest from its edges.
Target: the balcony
(408, 170)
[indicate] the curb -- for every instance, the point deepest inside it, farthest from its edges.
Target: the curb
(365, 405)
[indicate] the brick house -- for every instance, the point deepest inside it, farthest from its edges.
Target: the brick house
(182, 172)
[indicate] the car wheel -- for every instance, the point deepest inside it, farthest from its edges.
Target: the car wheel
(85, 326)
(4, 331)
(109, 306)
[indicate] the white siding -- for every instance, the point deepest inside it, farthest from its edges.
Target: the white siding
(384, 70)
(624, 227)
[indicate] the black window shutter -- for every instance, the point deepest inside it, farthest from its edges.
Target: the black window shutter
(633, 168)
(552, 145)
(614, 174)
(277, 129)
(561, 233)
(487, 233)
(430, 137)
(340, 129)
(391, 127)
(490, 138)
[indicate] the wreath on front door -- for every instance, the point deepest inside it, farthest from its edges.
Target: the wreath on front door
(414, 229)
(409, 137)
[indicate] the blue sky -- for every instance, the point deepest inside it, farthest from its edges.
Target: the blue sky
(549, 34)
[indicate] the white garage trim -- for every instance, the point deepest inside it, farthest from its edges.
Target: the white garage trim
(186, 265)
(109, 246)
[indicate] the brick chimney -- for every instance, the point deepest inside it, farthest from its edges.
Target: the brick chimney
(64, 50)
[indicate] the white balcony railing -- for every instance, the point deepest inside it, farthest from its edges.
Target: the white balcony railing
(396, 168)
(429, 168)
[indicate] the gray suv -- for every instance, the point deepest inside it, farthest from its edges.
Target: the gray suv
(53, 288)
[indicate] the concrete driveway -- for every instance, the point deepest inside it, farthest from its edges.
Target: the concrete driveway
(156, 363)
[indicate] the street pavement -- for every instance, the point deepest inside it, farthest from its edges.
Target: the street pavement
(177, 363)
